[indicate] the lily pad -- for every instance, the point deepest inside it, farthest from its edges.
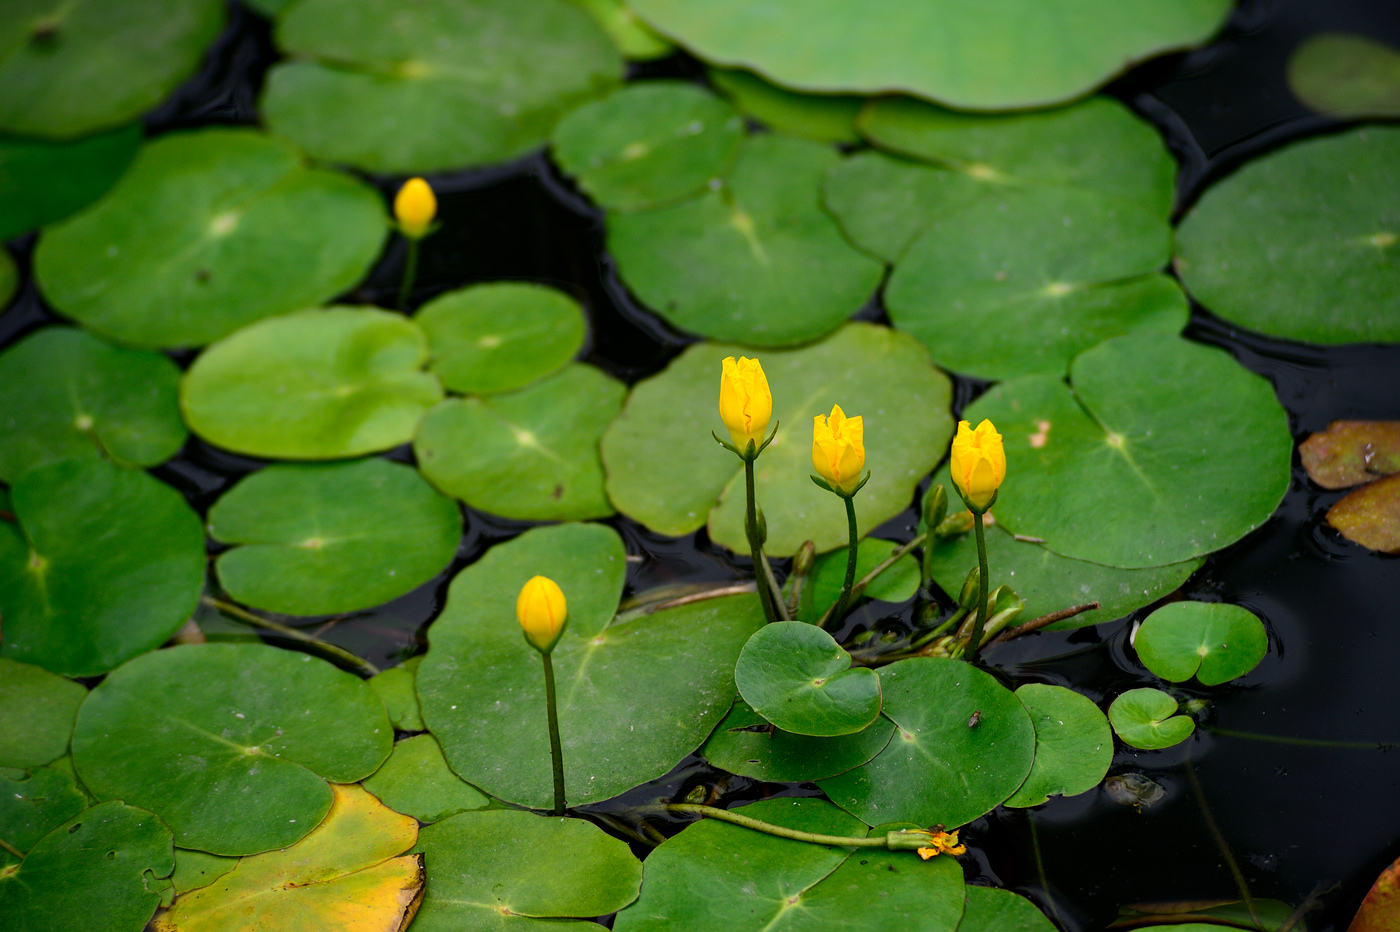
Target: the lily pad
(395, 687)
(321, 384)
(993, 910)
(9, 277)
(634, 697)
(944, 764)
(1370, 516)
(1147, 719)
(104, 564)
(633, 39)
(745, 744)
(37, 710)
(33, 804)
(70, 69)
(649, 144)
(230, 744)
(1212, 641)
(895, 584)
(1346, 76)
(441, 84)
(869, 370)
(996, 55)
(756, 260)
(797, 677)
(498, 870)
(67, 394)
(89, 873)
(42, 180)
(1349, 453)
(1073, 744)
(1303, 243)
(196, 869)
(530, 455)
(339, 537)
(501, 336)
(1137, 466)
(823, 117)
(415, 780)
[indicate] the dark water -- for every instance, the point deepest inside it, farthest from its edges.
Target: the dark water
(1293, 815)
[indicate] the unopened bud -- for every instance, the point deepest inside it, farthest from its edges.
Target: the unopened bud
(805, 557)
(954, 525)
(935, 506)
(970, 589)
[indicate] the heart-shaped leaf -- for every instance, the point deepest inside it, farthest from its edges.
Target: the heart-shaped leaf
(746, 744)
(396, 687)
(1073, 744)
(1211, 641)
(1147, 719)
(796, 676)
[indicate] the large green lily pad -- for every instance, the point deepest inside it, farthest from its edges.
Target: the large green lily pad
(104, 564)
(796, 676)
(435, 85)
(994, 55)
(823, 117)
(755, 260)
(634, 697)
(990, 909)
(42, 181)
(321, 384)
(944, 764)
(1073, 744)
(197, 869)
(1346, 76)
(340, 537)
(230, 744)
(529, 455)
(870, 371)
(396, 689)
(634, 40)
(745, 743)
(1138, 466)
(1303, 243)
(37, 709)
(416, 781)
(1213, 641)
(33, 804)
(1147, 719)
(68, 69)
(207, 232)
(66, 394)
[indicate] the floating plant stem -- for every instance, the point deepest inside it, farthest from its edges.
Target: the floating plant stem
(1302, 742)
(904, 840)
(242, 614)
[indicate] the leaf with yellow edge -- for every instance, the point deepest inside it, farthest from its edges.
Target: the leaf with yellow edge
(343, 877)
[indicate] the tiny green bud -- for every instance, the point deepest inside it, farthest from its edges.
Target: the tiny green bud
(935, 506)
(762, 528)
(804, 559)
(968, 597)
(959, 522)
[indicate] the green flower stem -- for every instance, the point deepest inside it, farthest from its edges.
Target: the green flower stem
(838, 610)
(242, 614)
(864, 582)
(410, 273)
(975, 639)
(893, 841)
(10, 848)
(765, 592)
(556, 749)
(775, 591)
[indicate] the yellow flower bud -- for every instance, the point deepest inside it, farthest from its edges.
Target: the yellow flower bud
(838, 449)
(745, 404)
(542, 611)
(978, 463)
(414, 208)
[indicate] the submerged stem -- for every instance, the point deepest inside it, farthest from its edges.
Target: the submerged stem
(975, 639)
(556, 749)
(1040, 871)
(258, 621)
(891, 840)
(1221, 843)
(1304, 742)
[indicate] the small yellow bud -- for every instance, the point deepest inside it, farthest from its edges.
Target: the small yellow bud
(745, 404)
(838, 449)
(414, 208)
(978, 463)
(542, 611)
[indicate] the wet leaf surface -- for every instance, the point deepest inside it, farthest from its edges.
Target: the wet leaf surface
(416, 781)
(42, 180)
(993, 910)
(395, 687)
(1349, 453)
(37, 710)
(796, 676)
(744, 744)
(1073, 744)
(1346, 76)
(1147, 719)
(823, 117)
(1214, 642)
(1370, 516)
(32, 805)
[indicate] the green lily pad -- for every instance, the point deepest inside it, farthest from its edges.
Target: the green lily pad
(67, 394)
(339, 537)
(442, 84)
(9, 277)
(870, 371)
(1147, 719)
(1136, 466)
(208, 232)
(37, 709)
(997, 55)
(501, 336)
(105, 564)
(1212, 641)
(321, 384)
(1073, 744)
(631, 36)
(69, 69)
(797, 677)
(648, 144)
(415, 780)
(745, 744)
(1346, 76)
(992, 910)
(197, 869)
(895, 584)
(268, 8)
(1350, 453)
(1370, 516)
(823, 117)
(230, 744)
(395, 687)
(1302, 243)
(33, 804)
(634, 697)
(530, 455)
(944, 764)
(42, 181)
(756, 260)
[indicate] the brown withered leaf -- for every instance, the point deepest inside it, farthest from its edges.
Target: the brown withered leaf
(1380, 910)
(1370, 516)
(1349, 453)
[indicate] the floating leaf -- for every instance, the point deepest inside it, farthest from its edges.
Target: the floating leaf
(340, 537)
(895, 584)
(42, 181)
(395, 687)
(268, 8)
(1302, 243)
(823, 117)
(34, 804)
(195, 869)
(530, 455)
(230, 744)
(1265, 914)
(1370, 516)
(634, 697)
(649, 144)
(9, 277)
(501, 336)
(1346, 76)
(746, 744)
(992, 910)
(37, 709)
(871, 371)
(1136, 466)
(1213, 642)
(944, 764)
(66, 394)
(104, 564)
(797, 677)
(631, 36)
(384, 87)
(1380, 910)
(415, 780)
(1073, 744)
(1349, 453)
(321, 384)
(756, 260)
(1147, 719)
(208, 232)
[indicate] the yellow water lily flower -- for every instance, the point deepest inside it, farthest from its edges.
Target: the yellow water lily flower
(942, 843)
(978, 464)
(415, 206)
(745, 403)
(542, 611)
(838, 449)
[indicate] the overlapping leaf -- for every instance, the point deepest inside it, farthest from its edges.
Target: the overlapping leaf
(42, 180)
(37, 709)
